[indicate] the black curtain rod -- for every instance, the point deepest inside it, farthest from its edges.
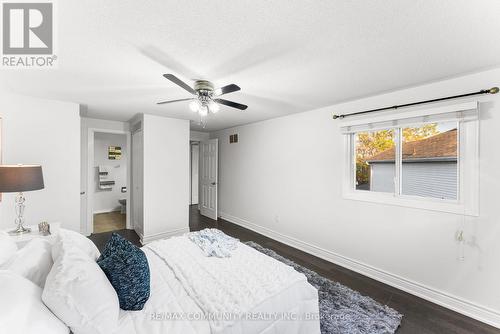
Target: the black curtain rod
(493, 90)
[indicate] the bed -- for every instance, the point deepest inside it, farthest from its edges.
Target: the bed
(293, 308)
(246, 293)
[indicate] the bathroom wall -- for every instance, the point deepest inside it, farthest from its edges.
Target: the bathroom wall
(107, 200)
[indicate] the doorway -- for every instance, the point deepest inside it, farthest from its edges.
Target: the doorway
(108, 180)
(208, 178)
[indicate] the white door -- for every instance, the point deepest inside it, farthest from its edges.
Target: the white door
(209, 155)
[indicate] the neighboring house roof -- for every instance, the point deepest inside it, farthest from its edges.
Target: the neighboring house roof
(441, 147)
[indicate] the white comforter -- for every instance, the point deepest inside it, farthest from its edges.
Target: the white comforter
(246, 293)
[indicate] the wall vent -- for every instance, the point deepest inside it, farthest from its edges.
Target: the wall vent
(233, 139)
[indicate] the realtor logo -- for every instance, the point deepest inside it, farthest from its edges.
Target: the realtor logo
(28, 29)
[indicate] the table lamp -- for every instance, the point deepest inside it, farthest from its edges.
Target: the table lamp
(20, 178)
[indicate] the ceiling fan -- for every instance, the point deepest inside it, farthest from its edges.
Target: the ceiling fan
(205, 99)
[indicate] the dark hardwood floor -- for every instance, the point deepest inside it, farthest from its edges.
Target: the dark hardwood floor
(100, 239)
(420, 316)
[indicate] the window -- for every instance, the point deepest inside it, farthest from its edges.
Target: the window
(368, 146)
(427, 160)
(429, 155)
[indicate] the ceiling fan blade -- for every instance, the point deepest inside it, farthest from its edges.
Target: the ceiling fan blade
(179, 82)
(164, 102)
(231, 104)
(227, 89)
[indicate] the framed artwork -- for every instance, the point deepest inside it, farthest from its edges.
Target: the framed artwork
(114, 152)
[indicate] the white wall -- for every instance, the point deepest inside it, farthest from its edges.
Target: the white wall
(166, 176)
(198, 136)
(43, 132)
(107, 200)
(283, 179)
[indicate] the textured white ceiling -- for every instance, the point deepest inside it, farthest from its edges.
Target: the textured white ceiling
(287, 56)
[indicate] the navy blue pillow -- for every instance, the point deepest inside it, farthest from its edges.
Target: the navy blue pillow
(127, 269)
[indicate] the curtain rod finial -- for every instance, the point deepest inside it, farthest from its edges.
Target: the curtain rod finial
(494, 90)
(338, 116)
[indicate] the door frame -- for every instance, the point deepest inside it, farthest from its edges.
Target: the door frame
(90, 176)
(136, 224)
(192, 165)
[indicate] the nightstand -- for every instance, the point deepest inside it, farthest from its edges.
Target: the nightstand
(23, 239)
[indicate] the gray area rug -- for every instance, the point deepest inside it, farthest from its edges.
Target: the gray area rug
(343, 310)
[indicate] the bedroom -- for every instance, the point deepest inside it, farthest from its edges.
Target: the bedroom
(380, 222)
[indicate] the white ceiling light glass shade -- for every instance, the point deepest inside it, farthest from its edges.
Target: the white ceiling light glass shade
(194, 106)
(214, 107)
(203, 111)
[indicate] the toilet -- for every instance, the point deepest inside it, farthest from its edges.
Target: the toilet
(123, 203)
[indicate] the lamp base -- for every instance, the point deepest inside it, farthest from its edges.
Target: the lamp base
(20, 230)
(20, 199)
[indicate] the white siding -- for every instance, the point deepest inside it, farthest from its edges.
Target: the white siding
(430, 179)
(427, 179)
(382, 177)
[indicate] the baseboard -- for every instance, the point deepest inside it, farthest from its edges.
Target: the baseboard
(465, 307)
(144, 239)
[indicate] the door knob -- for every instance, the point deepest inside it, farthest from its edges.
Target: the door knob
(213, 183)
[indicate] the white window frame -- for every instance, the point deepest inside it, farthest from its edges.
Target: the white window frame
(467, 202)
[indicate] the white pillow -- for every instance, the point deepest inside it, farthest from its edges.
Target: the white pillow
(74, 239)
(22, 310)
(78, 292)
(7, 247)
(33, 261)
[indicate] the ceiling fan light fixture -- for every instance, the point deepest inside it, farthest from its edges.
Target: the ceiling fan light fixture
(203, 111)
(214, 107)
(194, 106)
(204, 98)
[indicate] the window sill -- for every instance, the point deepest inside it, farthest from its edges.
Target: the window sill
(448, 206)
